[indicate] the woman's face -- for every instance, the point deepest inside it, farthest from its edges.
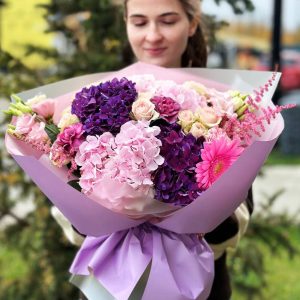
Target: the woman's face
(158, 31)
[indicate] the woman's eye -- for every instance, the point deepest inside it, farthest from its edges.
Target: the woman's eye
(168, 21)
(139, 24)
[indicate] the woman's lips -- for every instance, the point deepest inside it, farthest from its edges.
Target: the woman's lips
(155, 51)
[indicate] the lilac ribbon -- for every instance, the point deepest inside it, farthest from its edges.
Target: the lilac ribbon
(181, 264)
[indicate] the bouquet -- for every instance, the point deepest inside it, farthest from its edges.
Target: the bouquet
(144, 162)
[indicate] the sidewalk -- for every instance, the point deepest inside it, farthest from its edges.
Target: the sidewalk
(275, 178)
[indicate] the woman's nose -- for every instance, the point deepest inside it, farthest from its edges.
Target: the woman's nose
(153, 34)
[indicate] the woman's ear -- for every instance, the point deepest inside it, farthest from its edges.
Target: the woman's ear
(193, 27)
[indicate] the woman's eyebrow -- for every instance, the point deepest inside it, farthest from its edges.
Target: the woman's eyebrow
(162, 15)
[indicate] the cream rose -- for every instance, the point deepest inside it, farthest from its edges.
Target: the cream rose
(143, 108)
(208, 117)
(198, 130)
(67, 119)
(186, 119)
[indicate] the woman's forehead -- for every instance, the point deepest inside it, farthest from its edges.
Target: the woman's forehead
(153, 7)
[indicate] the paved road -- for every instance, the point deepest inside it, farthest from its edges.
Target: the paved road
(275, 178)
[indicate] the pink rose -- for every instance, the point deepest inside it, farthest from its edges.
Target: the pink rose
(166, 107)
(186, 120)
(44, 108)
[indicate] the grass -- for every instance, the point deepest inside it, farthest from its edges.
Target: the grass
(12, 264)
(278, 158)
(282, 274)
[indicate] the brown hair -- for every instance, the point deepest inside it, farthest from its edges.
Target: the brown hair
(195, 54)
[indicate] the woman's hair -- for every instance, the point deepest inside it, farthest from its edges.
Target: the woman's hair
(195, 54)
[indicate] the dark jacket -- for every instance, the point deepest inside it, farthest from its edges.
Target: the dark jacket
(221, 289)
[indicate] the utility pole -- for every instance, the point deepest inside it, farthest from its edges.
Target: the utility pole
(276, 44)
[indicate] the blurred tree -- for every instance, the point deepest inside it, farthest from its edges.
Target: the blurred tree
(90, 38)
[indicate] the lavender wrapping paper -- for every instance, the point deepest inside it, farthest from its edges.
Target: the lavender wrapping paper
(111, 228)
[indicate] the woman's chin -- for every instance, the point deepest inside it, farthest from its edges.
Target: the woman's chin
(160, 61)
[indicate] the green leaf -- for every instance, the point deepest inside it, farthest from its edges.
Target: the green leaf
(52, 131)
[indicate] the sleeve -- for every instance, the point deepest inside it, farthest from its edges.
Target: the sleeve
(71, 234)
(227, 234)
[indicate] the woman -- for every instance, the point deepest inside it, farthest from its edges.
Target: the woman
(168, 33)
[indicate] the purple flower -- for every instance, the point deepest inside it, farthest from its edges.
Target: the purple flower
(166, 107)
(179, 188)
(175, 181)
(105, 107)
(180, 151)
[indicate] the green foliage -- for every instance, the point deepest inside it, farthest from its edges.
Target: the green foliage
(238, 6)
(267, 234)
(52, 131)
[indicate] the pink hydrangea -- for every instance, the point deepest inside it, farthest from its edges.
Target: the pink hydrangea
(92, 156)
(217, 156)
(166, 107)
(143, 83)
(222, 103)
(187, 98)
(137, 153)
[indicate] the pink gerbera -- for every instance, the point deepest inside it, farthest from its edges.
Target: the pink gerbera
(217, 156)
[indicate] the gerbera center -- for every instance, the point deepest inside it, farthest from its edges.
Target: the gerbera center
(218, 168)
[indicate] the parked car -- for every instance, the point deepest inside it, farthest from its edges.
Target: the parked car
(290, 68)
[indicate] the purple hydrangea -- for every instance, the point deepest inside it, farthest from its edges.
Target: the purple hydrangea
(180, 151)
(105, 107)
(179, 188)
(175, 181)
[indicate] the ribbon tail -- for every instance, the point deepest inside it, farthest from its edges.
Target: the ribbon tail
(182, 268)
(117, 262)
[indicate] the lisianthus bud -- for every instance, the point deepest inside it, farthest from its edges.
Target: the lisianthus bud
(18, 108)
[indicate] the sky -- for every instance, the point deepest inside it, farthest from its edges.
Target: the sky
(262, 14)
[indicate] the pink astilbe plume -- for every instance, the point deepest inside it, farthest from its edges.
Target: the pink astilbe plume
(253, 123)
(217, 156)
